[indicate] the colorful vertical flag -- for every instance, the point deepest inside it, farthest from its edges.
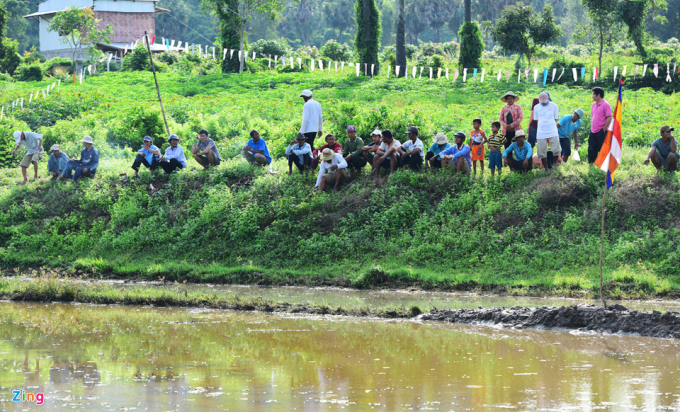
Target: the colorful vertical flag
(611, 152)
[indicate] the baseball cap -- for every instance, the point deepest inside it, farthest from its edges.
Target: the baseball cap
(412, 129)
(306, 93)
(378, 132)
(148, 139)
(351, 129)
(666, 128)
(300, 136)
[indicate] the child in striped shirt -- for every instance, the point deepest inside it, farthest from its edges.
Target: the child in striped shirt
(496, 143)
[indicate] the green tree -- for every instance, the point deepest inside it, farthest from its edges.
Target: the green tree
(471, 45)
(633, 13)
(79, 32)
(9, 57)
(520, 31)
(369, 31)
(436, 13)
(236, 14)
(339, 15)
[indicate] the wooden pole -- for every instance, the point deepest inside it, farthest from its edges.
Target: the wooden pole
(604, 195)
(158, 90)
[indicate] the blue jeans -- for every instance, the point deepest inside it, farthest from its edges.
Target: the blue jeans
(77, 169)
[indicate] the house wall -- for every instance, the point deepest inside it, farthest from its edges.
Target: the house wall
(127, 27)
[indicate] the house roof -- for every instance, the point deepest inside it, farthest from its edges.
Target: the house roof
(39, 14)
(155, 48)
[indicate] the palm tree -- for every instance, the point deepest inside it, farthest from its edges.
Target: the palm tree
(468, 14)
(401, 39)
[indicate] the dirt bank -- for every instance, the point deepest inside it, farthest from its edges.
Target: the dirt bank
(613, 319)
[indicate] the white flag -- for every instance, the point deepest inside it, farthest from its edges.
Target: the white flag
(283, 62)
(561, 74)
(358, 67)
(519, 75)
(447, 73)
(421, 72)
(231, 54)
(656, 69)
(253, 54)
(636, 71)
(644, 70)
(397, 69)
(125, 51)
(270, 61)
(186, 48)
(89, 69)
(439, 73)
(2, 112)
(179, 44)
(30, 98)
(413, 72)
(482, 79)
(464, 75)
(58, 85)
(320, 64)
(312, 65)
(336, 67)
(455, 76)
(573, 71)
(43, 91)
(535, 75)
(291, 63)
(623, 74)
(299, 63)
(372, 70)
(389, 69)
(430, 73)
(500, 73)
(594, 72)
(172, 43)
(668, 79)
(616, 71)
(224, 55)
(342, 67)
(507, 75)
(553, 76)
(53, 84)
(22, 103)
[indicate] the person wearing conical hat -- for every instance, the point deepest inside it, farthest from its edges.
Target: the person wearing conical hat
(88, 163)
(33, 144)
(57, 163)
(332, 170)
(510, 118)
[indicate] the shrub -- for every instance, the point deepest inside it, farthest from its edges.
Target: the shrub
(578, 50)
(471, 45)
(658, 51)
(32, 57)
(430, 49)
(138, 60)
(11, 59)
(674, 44)
(411, 51)
(336, 51)
(29, 73)
(168, 58)
(270, 47)
(58, 65)
(308, 52)
(138, 122)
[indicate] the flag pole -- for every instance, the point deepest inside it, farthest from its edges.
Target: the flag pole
(158, 90)
(604, 195)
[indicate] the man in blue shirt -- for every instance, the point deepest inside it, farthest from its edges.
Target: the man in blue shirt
(174, 156)
(87, 165)
(57, 162)
(522, 162)
(457, 156)
(148, 155)
(256, 151)
(568, 125)
(299, 153)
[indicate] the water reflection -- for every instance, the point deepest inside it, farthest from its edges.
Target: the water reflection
(108, 358)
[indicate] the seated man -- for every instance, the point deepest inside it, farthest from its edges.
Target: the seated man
(368, 151)
(522, 161)
(330, 144)
(174, 156)
(387, 156)
(205, 151)
(664, 152)
(352, 149)
(299, 152)
(333, 169)
(148, 155)
(57, 162)
(256, 151)
(87, 165)
(412, 151)
(432, 157)
(458, 156)
(33, 144)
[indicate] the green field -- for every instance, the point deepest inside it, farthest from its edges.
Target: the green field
(523, 234)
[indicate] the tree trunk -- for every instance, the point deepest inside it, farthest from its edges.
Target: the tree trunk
(468, 12)
(401, 39)
(436, 35)
(599, 64)
(243, 33)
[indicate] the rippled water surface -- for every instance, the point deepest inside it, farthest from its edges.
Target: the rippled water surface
(113, 358)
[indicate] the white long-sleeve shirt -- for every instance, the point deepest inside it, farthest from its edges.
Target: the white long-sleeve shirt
(176, 153)
(325, 166)
(312, 119)
(299, 150)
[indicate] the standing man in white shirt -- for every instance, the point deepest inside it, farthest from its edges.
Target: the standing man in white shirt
(412, 151)
(547, 114)
(332, 170)
(312, 119)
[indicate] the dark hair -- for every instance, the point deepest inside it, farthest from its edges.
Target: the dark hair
(387, 134)
(477, 121)
(205, 132)
(497, 124)
(598, 91)
(329, 135)
(252, 133)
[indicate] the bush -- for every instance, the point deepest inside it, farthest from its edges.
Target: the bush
(430, 49)
(33, 72)
(11, 59)
(411, 51)
(336, 51)
(168, 58)
(269, 48)
(32, 57)
(138, 60)
(138, 122)
(578, 50)
(308, 52)
(471, 45)
(657, 51)
(58, 65)
(674, 44)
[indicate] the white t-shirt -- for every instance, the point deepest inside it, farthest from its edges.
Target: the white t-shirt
(385, 147)
(312, 119)
(325, 166)
(409, 145)
(546, 116)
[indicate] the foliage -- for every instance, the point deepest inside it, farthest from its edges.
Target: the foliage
(58, 65)
(79, 31)
(29, 72)
(269, 48)
(367, 42)
(471, 45)
(336, 51)
(134, 125)
(138, 60)
(9, 57)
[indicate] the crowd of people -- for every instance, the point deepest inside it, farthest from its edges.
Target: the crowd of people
(548, 134)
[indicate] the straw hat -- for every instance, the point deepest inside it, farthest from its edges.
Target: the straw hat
(519, 133)
(504, 98)
(441, 138)
(87, 139)
(327, 154)
(55, 147)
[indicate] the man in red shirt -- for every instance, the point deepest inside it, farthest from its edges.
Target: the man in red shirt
(330, 144)
(601, 118)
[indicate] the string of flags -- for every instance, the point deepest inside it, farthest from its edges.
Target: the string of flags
(32, 98)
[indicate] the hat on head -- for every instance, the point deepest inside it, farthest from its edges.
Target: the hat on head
(148, 139)
(327, 154)
(461, 135)
(306, 93)
(17, 136)
(579, 112)
(412, 129)
(520, 133)
(351, 129)
(55, 147)
(173, 136)
(377, 132)
(666, 128)
(300, 136)
(503, 99)
(441, 138)
(87, 139)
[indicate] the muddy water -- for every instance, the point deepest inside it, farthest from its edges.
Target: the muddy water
(113, 358)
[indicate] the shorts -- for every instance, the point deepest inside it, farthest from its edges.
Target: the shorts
(453, 164)
(205, 159)
(664, 160)
(28, 159)
(565, 143)
(495, 160)
(330, 177)
(518, 165)
(387, 164)
(542, 146)
(475, 152)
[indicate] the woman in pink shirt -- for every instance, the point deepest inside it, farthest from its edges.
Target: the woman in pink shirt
(510, 118)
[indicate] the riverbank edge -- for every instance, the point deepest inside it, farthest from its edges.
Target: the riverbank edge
(613, 319)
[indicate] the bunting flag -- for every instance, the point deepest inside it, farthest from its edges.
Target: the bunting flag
(439, 73)
(89, 69)
(421, 73)
(535, 75)
(22, 103)
(573, 71)
(583, 72)
(519, 75)
(172, 43)
(153, 39)
(214, 54)
(179, 44)
(610, 154)
(58, 85)
(561, 74)
(291, 63)
(270, 59)
(357, 67)
(231, 54)
(656, 70)
(125, 51)
(644, 70)
(405, 72)
(430, 73)
(526, 74)
(500, 73)
(311, 66)
(389, 69)
(224, 56)
(320, 64)
(30, 98)
(507, 75)
(594, 73)
(2, 112)
(545, 76)
(553, 76)
(365, 69)
(163, 40)
(668, 74)
(616, 69)
(623, 73)
(397, 70)
(283, 62)
(455, 75)
(372, 69)
(336, 68)
(43, 90)
(447, 73)
(299, 63)
(474, 74)
(186, 48)
(413, 72)
(342, 67)
(482, 79)
(464, 75)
